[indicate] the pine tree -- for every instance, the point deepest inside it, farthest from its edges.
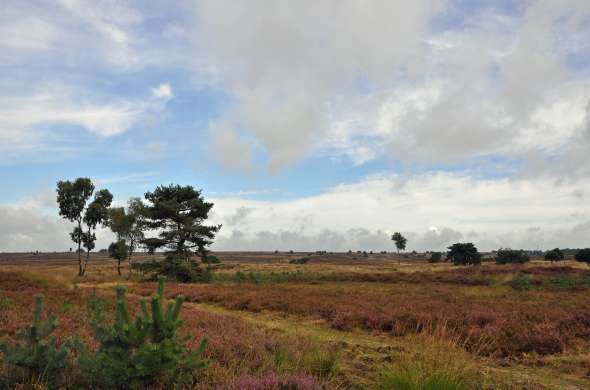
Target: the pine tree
(39, 359)
(140, 352)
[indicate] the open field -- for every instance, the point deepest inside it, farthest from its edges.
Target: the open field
(344, 321)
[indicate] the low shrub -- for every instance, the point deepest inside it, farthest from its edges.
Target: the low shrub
(141, 352)
(521, 282)
(5, 303)
(562, 282)
(302, 260)
(434, 363)
(211, 259)
(174, 268)
(323, 364)
(435, 257)
(39, 359)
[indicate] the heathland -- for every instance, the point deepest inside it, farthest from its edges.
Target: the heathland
(338, 321)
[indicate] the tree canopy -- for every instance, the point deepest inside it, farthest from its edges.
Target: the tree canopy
(128, 225)
(511, 256)
(464, 254)
(72, 199)
(554, 255)
(583, 255)
(177, 213)
(400, 241)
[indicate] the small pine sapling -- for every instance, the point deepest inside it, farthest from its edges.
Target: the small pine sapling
(39, 359)
(143, 352)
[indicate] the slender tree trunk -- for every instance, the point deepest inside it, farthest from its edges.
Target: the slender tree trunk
(119, 266)
(130, 264)
(80, 271)
(87, 252)
(399, 258)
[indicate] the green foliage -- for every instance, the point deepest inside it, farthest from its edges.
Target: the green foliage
(510, 256)
(177, 213)
(435, 257)
(554, 255)
(400, 241)
(521, 282)
(583, 256)
(128, 225)
(323, 364)
(72, 199)
(178, 269)
(464, 254)
(119, 251)
(416, 377)
(141, 352)
(5, 303)
(563, 283)
(96, 307)
(302, 260)
(38, 359)
(210, 259)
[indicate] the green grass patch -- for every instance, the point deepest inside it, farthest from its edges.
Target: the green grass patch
(521, 282)
(5, 303)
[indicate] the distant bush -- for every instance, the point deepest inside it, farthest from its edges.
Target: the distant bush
(464, 254)
(39, 359)
(554, 255)
(211, 259)
(302, 260)
(435, 257)
(583, 256)
(521, 282)
(510, 256)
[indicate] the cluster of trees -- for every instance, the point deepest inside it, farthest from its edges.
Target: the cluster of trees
(130, 353)
(467, 254)
(171, 217)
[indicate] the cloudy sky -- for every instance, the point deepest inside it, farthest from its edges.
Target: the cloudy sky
(310, 124)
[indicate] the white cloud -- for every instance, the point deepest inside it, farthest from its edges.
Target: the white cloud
(496, 83)
(285, 63)
(492, 212)
(229, 148)
(163, 91)
(33, 223)
(30, 121)
(432, 210)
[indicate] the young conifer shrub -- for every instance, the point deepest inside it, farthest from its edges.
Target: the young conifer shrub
(142, 352)
(37, 359)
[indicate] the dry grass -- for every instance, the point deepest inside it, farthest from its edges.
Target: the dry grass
(380, 319)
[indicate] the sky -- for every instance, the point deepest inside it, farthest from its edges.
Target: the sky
(311, 125)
